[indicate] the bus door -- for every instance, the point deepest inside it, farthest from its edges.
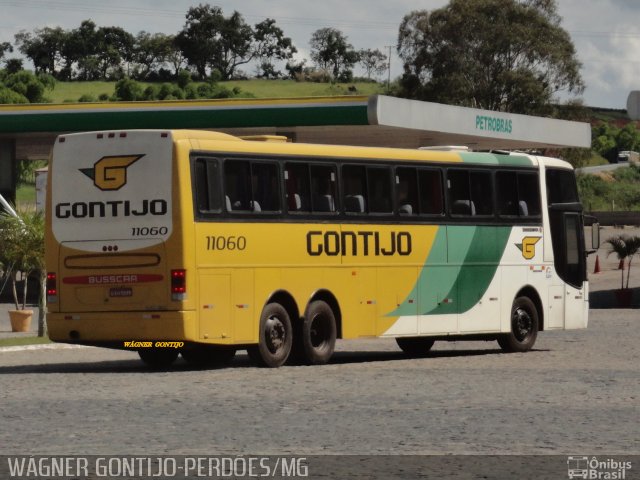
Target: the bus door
(567, 236)
(567, 240)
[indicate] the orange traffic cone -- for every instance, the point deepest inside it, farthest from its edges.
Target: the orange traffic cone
(597, 268)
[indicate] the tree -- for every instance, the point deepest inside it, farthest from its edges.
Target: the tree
(42, 48)
(331, 51)
(624, 247)
(506, 55)
(628, 138)
(373, 61)
(270, 44)
(114, 47)
(150, 52)
(4, 48)
(209, 40)
(78, 49)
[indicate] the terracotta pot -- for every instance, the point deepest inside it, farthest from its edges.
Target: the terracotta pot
(20, 320)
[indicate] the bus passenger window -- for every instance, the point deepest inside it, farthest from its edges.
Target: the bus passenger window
(507, 191)
(323, 188)
(529, 194)
(430, 188)
(354, 183)
(406, 191)
(237, 185)
(265, 192)
(481, 192)
(379, 183)
(297, 192)
(207, 186)
(459, 197)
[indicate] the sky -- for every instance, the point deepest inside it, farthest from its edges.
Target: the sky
(604, 32)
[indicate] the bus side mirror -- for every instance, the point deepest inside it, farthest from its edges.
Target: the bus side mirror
(595, 235)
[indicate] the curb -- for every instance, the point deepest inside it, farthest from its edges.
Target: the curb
(46, 346)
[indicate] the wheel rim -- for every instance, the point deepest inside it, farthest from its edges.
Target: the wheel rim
(318, 332)
(522, 324)
(275, 334)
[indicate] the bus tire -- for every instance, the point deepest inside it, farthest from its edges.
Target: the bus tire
(275, 337)
(524, 327)
(415, 346)
(208, 355)
(318, 333)
(158, 357)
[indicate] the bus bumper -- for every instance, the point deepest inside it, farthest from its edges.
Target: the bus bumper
(115, 328)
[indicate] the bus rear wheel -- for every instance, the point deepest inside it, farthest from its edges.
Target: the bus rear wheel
(524, 327)
(415, 346)
(158, 357)
(318, 333)
(275, 337)
(208, 355)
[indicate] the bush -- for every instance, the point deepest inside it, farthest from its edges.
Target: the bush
(87, 98)
(184, 78)
(128, 90)
(10, 96)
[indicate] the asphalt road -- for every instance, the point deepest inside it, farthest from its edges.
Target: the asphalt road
(576, 393)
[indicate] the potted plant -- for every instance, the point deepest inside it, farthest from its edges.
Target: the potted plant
(624, 247)
(22, 252)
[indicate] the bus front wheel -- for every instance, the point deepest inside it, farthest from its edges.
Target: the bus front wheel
(275, 337)
(415, 346)
(524, 327)
(158, 357)
(318, 333)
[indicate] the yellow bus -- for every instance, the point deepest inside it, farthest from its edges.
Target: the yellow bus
(201, 243)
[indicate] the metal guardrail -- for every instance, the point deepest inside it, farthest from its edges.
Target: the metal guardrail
(616, 218)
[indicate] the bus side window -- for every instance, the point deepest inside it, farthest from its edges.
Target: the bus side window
(207, 185)
(406, 191)
(481, 187)
(459, 195)
(323, 188)
(379, 189)
(507, 192)
(237, 186)
(470, 192)
(430, 188)
(265, 191)
(296, 177)
(529, 194)
(354, 185)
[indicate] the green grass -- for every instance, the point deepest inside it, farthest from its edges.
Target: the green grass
(72, 91)
(19, 341)
(26, 195)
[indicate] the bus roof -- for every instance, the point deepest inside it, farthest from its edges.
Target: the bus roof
(273, 145)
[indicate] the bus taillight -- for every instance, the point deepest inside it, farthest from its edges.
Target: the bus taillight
(178, 284)
(52, 288)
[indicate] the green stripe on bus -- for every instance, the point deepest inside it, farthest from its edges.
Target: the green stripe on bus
(456, 283)
(494, 159)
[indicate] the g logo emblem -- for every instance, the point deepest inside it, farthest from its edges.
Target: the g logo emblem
(110, 173)
(528, 247)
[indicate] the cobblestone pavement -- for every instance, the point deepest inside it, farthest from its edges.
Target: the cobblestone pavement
(577, 393)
